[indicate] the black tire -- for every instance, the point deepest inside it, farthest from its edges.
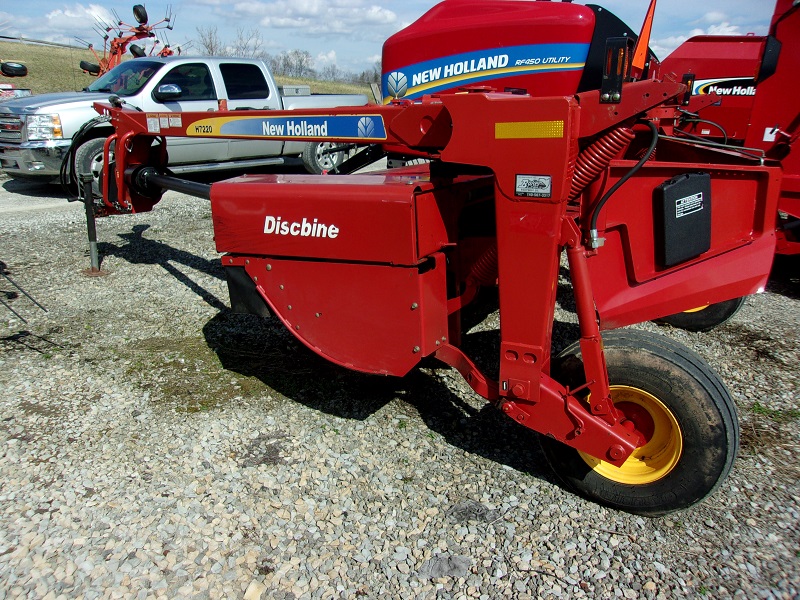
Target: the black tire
(90, 68)
(693, 427)
(140, 14)
(317, 161)
(13, 69)
(137, 50)
(89, 159)
(706, 318)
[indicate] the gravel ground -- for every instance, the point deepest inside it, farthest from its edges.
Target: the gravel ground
(154, 445)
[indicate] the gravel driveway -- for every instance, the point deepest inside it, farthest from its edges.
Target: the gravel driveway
(154, 445)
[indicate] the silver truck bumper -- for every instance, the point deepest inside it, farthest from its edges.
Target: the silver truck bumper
(33, 159)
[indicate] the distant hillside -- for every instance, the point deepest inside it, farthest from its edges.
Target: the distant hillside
(52, 69)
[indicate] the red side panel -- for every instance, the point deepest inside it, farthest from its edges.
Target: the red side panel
(629, 284)
(373, 318)
(355, 218)
(725, 68)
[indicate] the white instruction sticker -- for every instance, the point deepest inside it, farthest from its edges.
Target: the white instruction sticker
(153, 125)
(534, 186)
(688, 205)
(175, 121)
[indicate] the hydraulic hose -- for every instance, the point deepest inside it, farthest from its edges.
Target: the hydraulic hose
(593, 237)
(713, 124)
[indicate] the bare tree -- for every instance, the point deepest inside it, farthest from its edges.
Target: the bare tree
(301, 63)
(209, 41)
(372, 75)
(295, 63)
(248, 44)
(330, 72)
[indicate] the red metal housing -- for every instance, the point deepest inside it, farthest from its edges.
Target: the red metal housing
(744, 93)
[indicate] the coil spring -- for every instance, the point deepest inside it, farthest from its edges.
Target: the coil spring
(594, 159)
(484, 270)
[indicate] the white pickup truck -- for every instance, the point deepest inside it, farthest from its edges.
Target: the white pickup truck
(35, 132)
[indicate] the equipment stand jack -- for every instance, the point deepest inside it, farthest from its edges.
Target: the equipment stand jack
(91, 227)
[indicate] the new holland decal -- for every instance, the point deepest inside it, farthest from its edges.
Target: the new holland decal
(413, 81)
(341, 127)
(725, 86)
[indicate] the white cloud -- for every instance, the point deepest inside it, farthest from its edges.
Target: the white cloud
(714, 17)
(356, 19)
(723, 28)
(664, 46)
(325, 58)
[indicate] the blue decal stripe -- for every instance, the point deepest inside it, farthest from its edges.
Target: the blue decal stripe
(489, 63)
(341, 127)
(439, 84)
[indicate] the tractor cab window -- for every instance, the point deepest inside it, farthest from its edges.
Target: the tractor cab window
(193, 79)
(126, 79)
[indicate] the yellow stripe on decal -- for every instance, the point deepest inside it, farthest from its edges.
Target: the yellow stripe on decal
(526, 130)
(477, 76)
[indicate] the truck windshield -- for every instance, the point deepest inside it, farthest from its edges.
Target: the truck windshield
(126, 79)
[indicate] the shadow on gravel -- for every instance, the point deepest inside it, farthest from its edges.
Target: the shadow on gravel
(141, 250)
(25, 340)
(262, 348)
(33, 189)
(785, 277)
(484, 431)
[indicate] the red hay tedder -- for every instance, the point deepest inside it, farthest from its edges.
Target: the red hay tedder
(549, 129)
(115, 48)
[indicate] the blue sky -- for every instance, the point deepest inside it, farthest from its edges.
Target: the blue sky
(348, 33)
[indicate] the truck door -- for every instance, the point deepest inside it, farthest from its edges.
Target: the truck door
(247, 89)
(197, 94)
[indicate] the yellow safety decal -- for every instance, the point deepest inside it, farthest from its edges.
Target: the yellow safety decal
(207, 126)
(527, 130)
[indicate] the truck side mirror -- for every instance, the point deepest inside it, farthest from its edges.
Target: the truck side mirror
(167, 92)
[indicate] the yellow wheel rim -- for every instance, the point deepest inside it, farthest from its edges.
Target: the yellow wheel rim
(698, 309)
(659, 454)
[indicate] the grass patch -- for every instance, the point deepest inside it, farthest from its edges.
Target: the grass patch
(777, 415)
(50, 69)
(186, 374)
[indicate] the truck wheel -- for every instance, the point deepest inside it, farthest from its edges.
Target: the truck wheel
(13, 69)
(681, 408)
(90, 68)
(317, 161)
(89, 159)
(705, 318)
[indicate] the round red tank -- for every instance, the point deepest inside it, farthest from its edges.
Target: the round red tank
(536, 46)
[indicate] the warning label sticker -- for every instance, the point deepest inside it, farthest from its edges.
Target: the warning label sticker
(688, 205)
(153, 124)
(534, 186)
